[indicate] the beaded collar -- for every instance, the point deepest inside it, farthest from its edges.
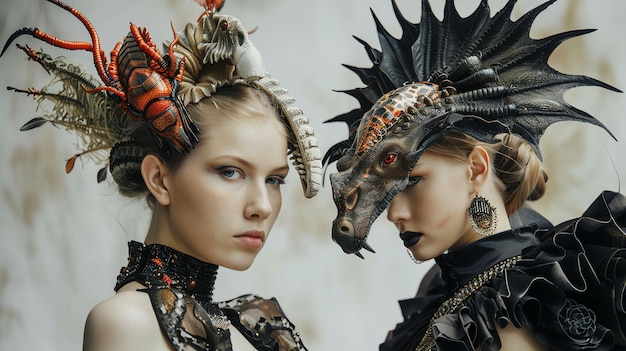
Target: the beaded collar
(156, 265)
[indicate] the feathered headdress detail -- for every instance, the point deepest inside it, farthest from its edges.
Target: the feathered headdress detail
(96, 118)
(479, 75)
(141, 85)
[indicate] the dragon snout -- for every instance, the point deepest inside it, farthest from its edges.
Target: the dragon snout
(343, 234)
(349, 231)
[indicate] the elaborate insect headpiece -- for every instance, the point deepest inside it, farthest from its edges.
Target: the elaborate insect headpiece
(479, 75)
(140, 86)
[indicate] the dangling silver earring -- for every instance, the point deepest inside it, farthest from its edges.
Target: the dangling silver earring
(413, 257)
(482, 216)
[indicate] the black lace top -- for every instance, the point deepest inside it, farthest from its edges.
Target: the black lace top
(181, 290)
(568, 287)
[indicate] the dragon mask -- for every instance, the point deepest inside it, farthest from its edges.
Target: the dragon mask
(479, 75)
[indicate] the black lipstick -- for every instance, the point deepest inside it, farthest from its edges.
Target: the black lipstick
(410, 238)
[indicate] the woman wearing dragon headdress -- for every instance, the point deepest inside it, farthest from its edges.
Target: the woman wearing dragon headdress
(183, 129)
(447, 140)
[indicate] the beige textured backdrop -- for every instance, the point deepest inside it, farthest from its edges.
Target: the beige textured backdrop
(63, 237)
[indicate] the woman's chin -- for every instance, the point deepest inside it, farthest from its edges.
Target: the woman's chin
(239, 265)
(422, 255)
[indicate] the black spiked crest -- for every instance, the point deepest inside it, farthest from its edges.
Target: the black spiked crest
(479, 75)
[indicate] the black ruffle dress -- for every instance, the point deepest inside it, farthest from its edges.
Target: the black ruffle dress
(181, 289)
(567, 286)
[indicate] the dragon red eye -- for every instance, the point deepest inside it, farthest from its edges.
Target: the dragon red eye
(224, 25)
(389, 158)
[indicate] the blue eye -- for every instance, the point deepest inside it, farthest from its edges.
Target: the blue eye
(413, 180)
(230, 173)
(275, 181)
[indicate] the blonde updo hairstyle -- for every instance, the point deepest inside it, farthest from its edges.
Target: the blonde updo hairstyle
(517, 167)
(233, 101)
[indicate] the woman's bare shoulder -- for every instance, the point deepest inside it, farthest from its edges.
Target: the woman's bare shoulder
(125, 321)
(519, 339)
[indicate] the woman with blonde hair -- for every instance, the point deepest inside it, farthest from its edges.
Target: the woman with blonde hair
(203, 133)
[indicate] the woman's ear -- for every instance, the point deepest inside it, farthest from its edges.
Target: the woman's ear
(154, 171)
(479, 166)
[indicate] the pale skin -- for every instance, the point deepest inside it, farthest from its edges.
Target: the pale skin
(228, 176)
(435, 204)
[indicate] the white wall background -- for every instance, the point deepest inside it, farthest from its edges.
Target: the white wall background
(63, 237)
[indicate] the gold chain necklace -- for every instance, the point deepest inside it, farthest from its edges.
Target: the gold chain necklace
(452, 304)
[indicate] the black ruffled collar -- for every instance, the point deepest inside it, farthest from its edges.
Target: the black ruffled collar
(452, 271)
(157, 265)
(462, 265)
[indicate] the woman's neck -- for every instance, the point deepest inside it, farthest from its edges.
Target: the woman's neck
(155, 230)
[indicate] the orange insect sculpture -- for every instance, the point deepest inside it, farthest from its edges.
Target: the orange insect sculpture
(144, 82)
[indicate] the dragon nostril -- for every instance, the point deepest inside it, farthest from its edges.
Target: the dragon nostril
(343, 234)
(345, 227)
